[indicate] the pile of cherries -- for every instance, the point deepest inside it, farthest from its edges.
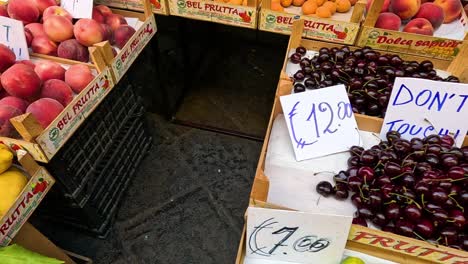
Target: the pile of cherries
(367, 75)
(417, 188)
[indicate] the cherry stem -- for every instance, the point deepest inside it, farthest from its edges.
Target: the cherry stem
(423, 239)
(404, 196)
(409, 155)
(458, 205)
(320, 172)
(398, 176)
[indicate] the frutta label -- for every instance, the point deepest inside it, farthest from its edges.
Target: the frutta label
(328, 30)
(24, 206)
(133, 48)
(400, 245)
(74, 114)
(400, 42)
(215, 12)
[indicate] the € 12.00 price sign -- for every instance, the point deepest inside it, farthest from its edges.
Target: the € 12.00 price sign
(320, 122)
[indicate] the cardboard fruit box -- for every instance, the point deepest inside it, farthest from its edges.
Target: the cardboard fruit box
(43, 144)
(241, 14)
(421, 45)
(158, 6)
(342, 28)
(370, 241)
(28, 200)
(146, 29)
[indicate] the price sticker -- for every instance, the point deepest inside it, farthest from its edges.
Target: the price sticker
(418, 108)
(320, 122)
(298, 237)
(12, 35)
(78, 8)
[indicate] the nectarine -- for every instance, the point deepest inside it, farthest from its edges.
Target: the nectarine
(15, 102)
(433, 13)
(47, 70)
(58, 28)
(43, 4)
(105, 11)
(78, 77)
(419, 26)
(405, 9)
(7, 58)
(45, 110)
(7, 113)
(43, 45)
(3, 10)
(56, 11)
(21, 81)
(88, 32)
(452, 9)
(25, 11)
(388, 20)
(36, 29)
(71, 49)
(122, 34)
(58, 90)
(115, 21)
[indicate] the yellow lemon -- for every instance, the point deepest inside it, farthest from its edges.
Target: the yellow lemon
(12, 183)
(6, 159)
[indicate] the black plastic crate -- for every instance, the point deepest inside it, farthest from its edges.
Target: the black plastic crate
(96, 216)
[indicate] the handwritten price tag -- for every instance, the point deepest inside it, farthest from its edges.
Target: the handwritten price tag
(418, 108)
(320, 122)
(12, 35)
(297, 237)
(78, 8)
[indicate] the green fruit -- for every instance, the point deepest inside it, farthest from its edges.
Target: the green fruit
(352, 260)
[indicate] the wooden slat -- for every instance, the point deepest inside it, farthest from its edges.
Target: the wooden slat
(27, 126)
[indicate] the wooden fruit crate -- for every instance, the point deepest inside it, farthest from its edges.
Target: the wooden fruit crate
(217, 11)
(127, 55)
(370, 241)
(35, 190)
(159, 7)
(421, 45)
(345, 32)
(43, 144)
(380, 244)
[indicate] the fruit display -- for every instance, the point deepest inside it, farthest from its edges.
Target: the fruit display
(367, 74)
(51, 30)
(318, 8)
(12, 180)
(415, 188)
(42, 88)
(416, 16)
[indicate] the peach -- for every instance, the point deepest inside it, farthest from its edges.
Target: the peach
(56, 11)
(88, 32)
(388, 20)
(47, 70)
(342, 6)
(43, 4)
(58, 90)
(122, 34)
(58, 28)
(72, 50)
(78, 76)
(309, 7)
(7, 58)
(384, 7)
(108, 34)
(25, 11)
(15, 102)
(3, 11)
(405, 9)
(45, 110)
(115, 20)
(433, 13)
(452, 9)
(21, 81)
(323, 12)
(98, 16)
(298, 2)
(419, 26)
(105, 10)
(29, 36)
(44, 45)
(7, 113)
(27, 62)
(36, 29)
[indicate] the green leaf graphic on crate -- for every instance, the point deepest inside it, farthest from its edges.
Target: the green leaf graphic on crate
(456, 51)
(373, 34)
(270, 18)
(181, 4)
(118, 65)
(54, 134)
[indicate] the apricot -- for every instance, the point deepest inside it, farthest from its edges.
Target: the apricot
(309, 7)
(298, 2)
(286, 3)
(320, 2)
(323, 12)
(343, 6)
(331, 5)
(276, 6)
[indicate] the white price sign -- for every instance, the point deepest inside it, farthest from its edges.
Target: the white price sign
(78, 8)
(12, 35)
(320, 122)
(297, 237)
(418, 108)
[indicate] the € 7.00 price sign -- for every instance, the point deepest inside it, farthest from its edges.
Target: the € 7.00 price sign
(297, 237)
(320, 122)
